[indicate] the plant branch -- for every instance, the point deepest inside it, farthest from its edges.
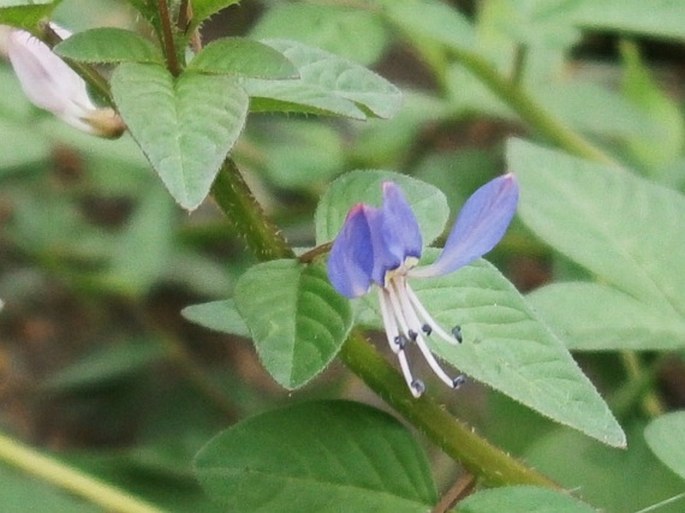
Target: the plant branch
(460, 489)
(68, 478)
(531, 112)
(243, 211)
(168, 38)
(455, 438)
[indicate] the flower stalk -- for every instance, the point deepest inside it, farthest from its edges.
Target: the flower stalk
(68, 478)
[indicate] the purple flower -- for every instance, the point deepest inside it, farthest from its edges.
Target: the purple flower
(382, 246)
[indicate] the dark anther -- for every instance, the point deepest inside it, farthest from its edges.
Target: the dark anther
(426, 328)
(400, 341)
(456, 331)
(418, 386)
(458, 381)
(412, 335)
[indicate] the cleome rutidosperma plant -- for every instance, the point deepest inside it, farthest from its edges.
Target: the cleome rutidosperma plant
(243, 257)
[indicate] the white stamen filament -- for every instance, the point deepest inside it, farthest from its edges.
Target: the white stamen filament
(403, 325)
(392, 333)
(426, 317)
(399, 288)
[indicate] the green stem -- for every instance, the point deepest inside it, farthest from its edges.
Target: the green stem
(456, 439)
(243, 211)
(639, 387)
(48, 469)
(531, 112)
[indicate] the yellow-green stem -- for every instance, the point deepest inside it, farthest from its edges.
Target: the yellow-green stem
(110, 498)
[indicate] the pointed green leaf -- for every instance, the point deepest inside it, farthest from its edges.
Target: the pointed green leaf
(522, 499)
(334, 28)
(661, 145)
(661, 18)
(578, 313)
(298, 322)
(106, 364)
(327, 84)
(108, 45)
(185, 126)
(203, 9)
(621, 227)
(364, 186)
(244, 57)
(433, 20)
(320, 457)
(611, 480)
(25, 14)
(508, 348)
(218, 316)
(665, 436)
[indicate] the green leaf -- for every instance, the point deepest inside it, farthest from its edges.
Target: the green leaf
(663, 144)
(660, 18)
(333, 28)
(185, 126)
(244, 57)
(298, 153)
(144, 246)
(298, 322)
(106, 364)
(428, 202)
(594, 109)
(578, 313)
(433, 20)
(109, 45)
(522, 499)
(621, 227)
(327, 85)
(538, 24)
(320, 457)
(203, 9)
(218, 316)
(507, 347)
(616, 481)
(665, 436)
(25, 14)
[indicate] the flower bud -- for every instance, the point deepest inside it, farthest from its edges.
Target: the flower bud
(52, 85)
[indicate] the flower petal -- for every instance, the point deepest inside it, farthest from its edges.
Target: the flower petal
(401, 233)
(351, 261)
(48, 81)
(480, 226)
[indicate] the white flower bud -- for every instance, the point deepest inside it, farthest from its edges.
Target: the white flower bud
(52, 85)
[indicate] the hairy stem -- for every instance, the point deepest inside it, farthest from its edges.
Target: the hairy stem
(456, 439)
(168, 38)
(68, 478)
(243, 211)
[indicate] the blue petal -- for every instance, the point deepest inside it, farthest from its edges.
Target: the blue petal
(351, 262)
(401, 232)
(480, 226)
